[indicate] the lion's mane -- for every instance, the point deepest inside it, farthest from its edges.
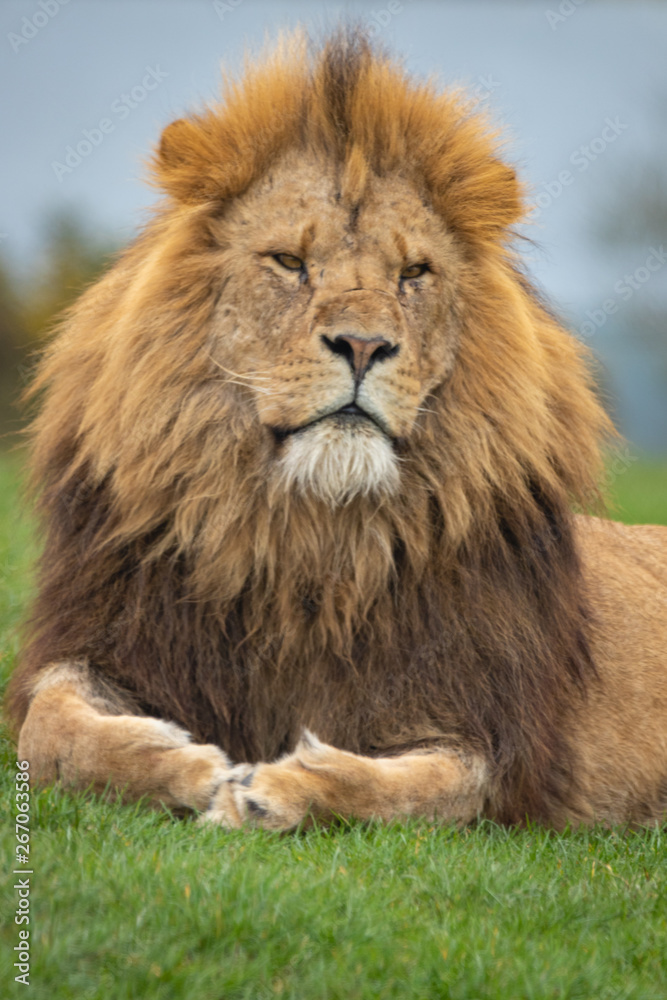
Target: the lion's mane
(454, 610)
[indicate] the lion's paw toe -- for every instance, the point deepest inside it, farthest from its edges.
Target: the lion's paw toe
(222, 810)
(269, 796)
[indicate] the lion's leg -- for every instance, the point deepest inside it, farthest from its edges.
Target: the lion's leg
(86, 735)
(320, 781)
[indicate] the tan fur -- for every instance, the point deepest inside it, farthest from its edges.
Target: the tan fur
(229, 551)
(81, 737)
(620, 730)
(320, 782)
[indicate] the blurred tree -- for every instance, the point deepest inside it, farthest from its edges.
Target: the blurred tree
(73, 255)
(634, 217)
(13, 347)
(631, 227)
(639, 211)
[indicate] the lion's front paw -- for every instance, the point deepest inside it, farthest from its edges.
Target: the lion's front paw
(272, 796)
(282, 795)
(222, 810)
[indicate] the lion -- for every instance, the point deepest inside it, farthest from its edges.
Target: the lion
(313, 463)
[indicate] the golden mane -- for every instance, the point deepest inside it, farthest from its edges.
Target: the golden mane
(353, 104)
(456, 607)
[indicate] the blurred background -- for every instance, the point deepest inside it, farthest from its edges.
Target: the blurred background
(580, 87)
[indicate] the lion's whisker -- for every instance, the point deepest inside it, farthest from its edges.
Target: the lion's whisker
(249, 375)
(244, 385)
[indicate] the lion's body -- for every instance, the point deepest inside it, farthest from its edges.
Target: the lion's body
(308, 457)
(619, 729)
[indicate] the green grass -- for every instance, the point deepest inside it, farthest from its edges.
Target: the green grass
(640, 492)
(129, 903)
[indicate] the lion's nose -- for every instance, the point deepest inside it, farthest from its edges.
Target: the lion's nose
(361, 352)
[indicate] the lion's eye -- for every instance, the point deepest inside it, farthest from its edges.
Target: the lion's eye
(289, 261)
(413, 271)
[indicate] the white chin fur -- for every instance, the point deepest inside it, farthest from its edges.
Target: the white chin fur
(336, 461)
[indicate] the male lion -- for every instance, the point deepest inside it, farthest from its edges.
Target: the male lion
(308, 457)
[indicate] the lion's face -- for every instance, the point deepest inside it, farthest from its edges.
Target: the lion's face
(339, 319)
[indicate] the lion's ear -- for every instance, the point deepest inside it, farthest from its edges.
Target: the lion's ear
(507, 207)
(482, 200)
(174, 142)
(182, 160)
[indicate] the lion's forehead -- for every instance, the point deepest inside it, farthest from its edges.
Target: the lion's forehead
(302, 203)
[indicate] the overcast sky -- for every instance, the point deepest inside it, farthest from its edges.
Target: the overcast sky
(576, 83)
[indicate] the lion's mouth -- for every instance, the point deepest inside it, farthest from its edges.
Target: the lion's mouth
(351, 412)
